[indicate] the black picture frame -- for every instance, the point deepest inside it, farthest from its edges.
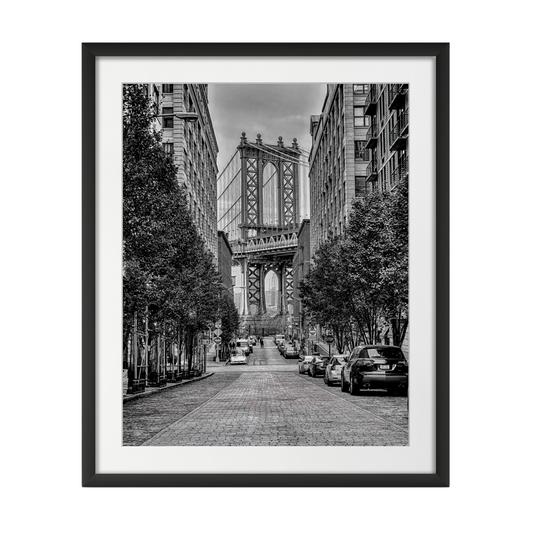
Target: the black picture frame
(90, 52)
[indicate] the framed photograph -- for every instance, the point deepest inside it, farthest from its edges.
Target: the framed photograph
(265, 264)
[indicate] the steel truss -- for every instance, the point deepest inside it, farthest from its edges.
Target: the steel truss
(268, 247)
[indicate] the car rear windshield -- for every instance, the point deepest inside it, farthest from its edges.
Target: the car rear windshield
(385, 352)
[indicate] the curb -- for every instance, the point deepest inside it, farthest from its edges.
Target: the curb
(131, 397)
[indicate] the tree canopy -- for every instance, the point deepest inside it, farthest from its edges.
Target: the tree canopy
(166, 266)
(359, 279)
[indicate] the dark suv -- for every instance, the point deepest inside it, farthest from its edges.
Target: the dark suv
(375, 367)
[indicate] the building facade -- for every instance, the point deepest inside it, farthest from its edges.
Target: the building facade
(338, 159)
(225, 262)
(359, 144)
(193, 148)
(301, 264)
(387, 139)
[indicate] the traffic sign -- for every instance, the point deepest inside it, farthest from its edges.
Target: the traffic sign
(218, 340)
(329, 339)
(217, 332)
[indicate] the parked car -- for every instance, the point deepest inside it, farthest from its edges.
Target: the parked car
(303, 364)
(317, 366)
(237, 359)
(290, 352)
(244, 346)
(375, 367)
(334, 368)
(278, 339)
(281, 347)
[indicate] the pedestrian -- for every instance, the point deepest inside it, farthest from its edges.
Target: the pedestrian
(261, 341)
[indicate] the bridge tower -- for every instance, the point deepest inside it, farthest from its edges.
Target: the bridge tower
(270, 219)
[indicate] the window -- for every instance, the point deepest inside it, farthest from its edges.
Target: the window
(168, 87)
(360, 88)
(169, 149)
(168, 121)
(359, 117)
(360, 152)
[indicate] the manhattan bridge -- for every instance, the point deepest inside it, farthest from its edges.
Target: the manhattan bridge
(263, 195)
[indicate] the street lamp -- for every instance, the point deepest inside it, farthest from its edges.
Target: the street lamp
(185, 116)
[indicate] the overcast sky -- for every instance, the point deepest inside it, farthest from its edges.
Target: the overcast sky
(269, 109)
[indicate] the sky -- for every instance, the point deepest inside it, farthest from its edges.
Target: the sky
(269, 109)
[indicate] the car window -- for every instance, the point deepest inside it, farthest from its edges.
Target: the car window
(386, 352)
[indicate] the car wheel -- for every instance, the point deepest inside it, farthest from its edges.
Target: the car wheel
(344, 387)
(309, 372)
(354, 389)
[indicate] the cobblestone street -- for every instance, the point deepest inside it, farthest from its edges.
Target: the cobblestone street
(265, 403)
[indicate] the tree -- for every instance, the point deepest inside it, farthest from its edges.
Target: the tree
(230, 319)
(360, 278)
(166, 267)
(323, 295)
(395, 264)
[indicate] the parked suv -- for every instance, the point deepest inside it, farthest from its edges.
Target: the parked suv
(375, 367)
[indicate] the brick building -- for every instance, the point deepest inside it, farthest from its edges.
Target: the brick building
(193, 148)
(360, 144)
(338, 159)
(301, 264)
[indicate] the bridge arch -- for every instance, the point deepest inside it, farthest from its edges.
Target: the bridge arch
(271, 210)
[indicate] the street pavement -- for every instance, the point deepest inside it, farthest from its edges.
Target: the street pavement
(264, 403)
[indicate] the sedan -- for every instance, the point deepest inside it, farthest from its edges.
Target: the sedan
(317, 366)
(376, 367)
(290, 352)
(303, 365)
(237, 359)
(333, 369)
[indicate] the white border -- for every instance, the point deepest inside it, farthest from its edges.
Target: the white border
(111, 456)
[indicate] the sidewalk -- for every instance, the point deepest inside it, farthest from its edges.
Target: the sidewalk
(156, 390)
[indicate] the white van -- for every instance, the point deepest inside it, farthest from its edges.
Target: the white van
(244, 346)
(278, 339)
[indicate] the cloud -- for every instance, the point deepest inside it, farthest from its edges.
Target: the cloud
(273, 110)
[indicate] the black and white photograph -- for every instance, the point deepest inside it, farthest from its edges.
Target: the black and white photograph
(266, 265)
(259, 265)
